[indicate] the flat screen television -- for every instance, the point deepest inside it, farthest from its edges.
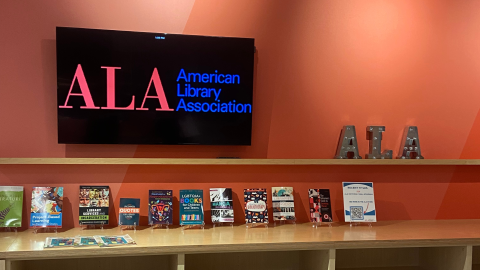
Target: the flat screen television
(119, 87)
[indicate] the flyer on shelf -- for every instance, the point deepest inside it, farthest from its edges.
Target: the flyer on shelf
(84, 241)
(314, 202)
(283, 203)
(325, 205)
(221, 204)
(94, 203)
(52, 242)
(256, 210)
(191, 207)
(11, 204)
(129, 212)
(117, 240)
(359, 202)
(46, 207)
(160, 207)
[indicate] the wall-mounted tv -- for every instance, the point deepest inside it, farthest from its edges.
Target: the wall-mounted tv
(119, 87)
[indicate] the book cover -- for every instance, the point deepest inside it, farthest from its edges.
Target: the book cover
(52, 242)
(11, 205)
(255, 205)
(118, 240)
(46, 207)
(191, 207)
(94, 203)
(283, 203)
(314, 202)
(359, 202)
(129, 212)
(325, 205)
(84, 241)
(221, 204)
(160, 207)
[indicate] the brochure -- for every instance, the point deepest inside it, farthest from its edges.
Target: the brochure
(221, 204)
(283, 203)
(46, 207)
(94, 203)
(160, 207)
(256, 210)
(191, 207)
(11, 204)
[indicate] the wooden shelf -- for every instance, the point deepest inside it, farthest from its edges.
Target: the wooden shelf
(400, 245)
(213, 161)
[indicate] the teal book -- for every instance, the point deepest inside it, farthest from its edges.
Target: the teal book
(11, 205)
(191, 207)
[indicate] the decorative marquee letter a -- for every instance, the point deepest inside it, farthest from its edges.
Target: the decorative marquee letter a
(410, 147)
(347, 145)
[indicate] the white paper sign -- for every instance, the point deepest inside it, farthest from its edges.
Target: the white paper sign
(359, 202)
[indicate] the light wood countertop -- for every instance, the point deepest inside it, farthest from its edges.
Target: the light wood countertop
(27, 245)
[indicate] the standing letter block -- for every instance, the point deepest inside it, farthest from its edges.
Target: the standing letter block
(374, 137)
(410, 147)
(347, 145)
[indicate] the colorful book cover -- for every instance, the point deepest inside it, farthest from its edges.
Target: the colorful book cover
(191, 207)
(359, 202)
(221, 204)
(46, 208)
(118, 240)
(52, 242)
(11, 205)
(160, 207)
(94, 203)
(283, 203)
(255, 205)
(129, 213)
(84, 241)
(325, 205)
(314, 201)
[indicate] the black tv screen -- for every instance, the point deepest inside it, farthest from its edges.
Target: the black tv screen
(119, 87)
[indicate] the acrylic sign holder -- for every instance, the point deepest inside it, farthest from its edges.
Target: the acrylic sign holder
(220, 224)
(359, 223)
(45, 229)
(92, 226)
(319, 224)
(281, 222)
(254, 225)
(128, 227)
(196, 226)
(160, 226)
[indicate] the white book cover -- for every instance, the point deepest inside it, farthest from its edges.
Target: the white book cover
(359, 202)
(283, 203)
(221, 204)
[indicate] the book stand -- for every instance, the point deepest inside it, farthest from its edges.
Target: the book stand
(219, 224)
(128, 227)
(9, 229)
(196, 226)
(92, 226)
(319, 224)
(253, 225)
(153, 226)
(359, 223)
(281, 222)
(45, 229)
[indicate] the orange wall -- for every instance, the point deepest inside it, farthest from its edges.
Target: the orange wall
(319, 65)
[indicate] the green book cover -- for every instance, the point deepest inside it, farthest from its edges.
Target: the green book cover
(11, 205)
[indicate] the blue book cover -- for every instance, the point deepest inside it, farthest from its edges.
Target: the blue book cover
(191, 207)
(46, 207)
(129, 211)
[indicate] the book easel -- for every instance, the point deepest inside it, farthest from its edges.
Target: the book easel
(9, 229)
(254, 225)
(45, 229)
(128, 227)
(284, 221)
(192, 226)
(92, 226)
(220, 224)
(160, 226)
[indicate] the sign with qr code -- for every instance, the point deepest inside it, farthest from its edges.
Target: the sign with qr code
(359, 202)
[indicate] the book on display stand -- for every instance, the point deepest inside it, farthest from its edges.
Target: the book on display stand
(11, 204)
(283, 205)
(94, 206)
(191, 209)
(46, 208)
(221, 204)
(256, 211)
(129, 213)
(160, 208)
(320, 207)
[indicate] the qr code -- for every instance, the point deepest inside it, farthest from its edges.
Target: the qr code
(356, 212)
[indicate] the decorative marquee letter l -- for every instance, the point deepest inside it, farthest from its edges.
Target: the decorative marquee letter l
(347, 145)
(374, 137)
